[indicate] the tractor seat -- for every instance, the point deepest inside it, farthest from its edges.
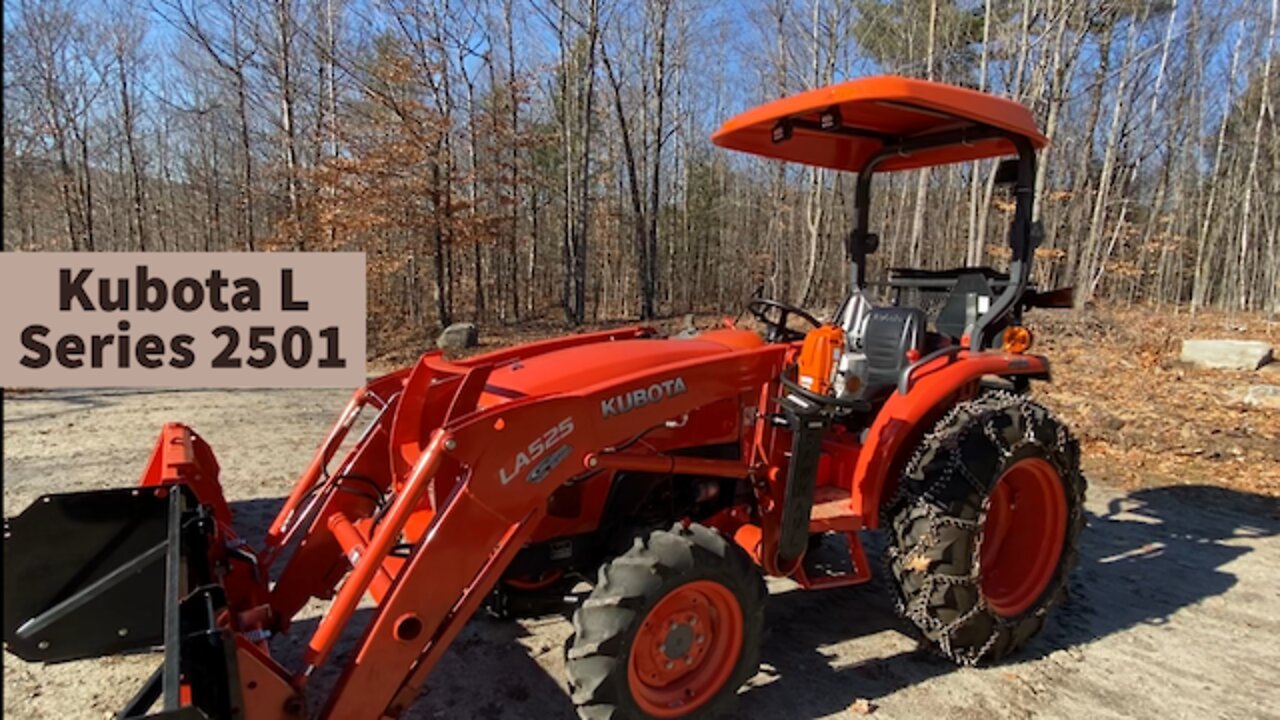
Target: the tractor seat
(970, 297)
(852, 316)
(888, 333)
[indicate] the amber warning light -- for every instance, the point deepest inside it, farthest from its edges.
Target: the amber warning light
(1017, 339)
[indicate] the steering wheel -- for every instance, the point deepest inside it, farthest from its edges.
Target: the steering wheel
(774, 314)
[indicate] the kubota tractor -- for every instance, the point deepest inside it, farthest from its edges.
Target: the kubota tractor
(671, 473)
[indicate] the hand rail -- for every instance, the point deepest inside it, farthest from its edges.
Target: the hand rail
(904, 380)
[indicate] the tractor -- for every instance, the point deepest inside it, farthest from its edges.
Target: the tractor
(669, 475)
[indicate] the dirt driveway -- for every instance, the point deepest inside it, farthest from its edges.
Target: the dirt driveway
(1174, 612)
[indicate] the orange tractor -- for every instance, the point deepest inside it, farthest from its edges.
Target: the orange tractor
(670, 473)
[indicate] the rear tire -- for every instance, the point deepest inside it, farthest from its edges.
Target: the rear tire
(956, 512)
(671, 630)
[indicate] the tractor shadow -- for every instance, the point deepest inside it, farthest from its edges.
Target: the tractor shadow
(1145, 557)
(489, 672)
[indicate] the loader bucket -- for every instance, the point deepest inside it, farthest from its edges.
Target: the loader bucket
(84, 574)
(108, 571)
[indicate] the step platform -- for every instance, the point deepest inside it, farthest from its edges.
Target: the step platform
(835, 557)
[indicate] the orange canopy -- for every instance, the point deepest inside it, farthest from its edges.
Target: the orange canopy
(871, 113)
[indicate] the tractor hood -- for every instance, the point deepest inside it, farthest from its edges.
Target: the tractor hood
(581, 366)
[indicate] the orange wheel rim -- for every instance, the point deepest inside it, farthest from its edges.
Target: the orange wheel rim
(1023, 536)
(686, 649)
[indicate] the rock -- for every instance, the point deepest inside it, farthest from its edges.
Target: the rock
(458, 336)
(1226, 354)
(862, 706)
(1263, 396)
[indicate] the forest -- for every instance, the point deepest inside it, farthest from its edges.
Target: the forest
(506, 161)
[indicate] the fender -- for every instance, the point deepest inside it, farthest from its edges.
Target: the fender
(937, 382)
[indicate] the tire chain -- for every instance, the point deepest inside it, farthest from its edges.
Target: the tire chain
(990, 404)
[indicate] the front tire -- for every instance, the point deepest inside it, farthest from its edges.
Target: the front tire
(986, 527)
(671, 630)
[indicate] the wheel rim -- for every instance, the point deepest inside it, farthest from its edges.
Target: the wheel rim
(686, 649)
(1023, 536)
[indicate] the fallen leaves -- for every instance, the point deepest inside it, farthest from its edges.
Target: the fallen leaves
(918, 563)
(1144, 419)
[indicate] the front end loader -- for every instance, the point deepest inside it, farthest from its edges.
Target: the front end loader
(671, 474)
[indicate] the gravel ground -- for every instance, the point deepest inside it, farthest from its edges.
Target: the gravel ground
(1174, 612)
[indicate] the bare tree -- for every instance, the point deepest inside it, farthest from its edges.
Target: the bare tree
(466, 147)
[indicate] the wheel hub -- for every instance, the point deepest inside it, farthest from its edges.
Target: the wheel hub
(1023, 535)
(678, 641)
(685, 649)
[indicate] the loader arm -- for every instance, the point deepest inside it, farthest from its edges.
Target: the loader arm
(491, 511)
